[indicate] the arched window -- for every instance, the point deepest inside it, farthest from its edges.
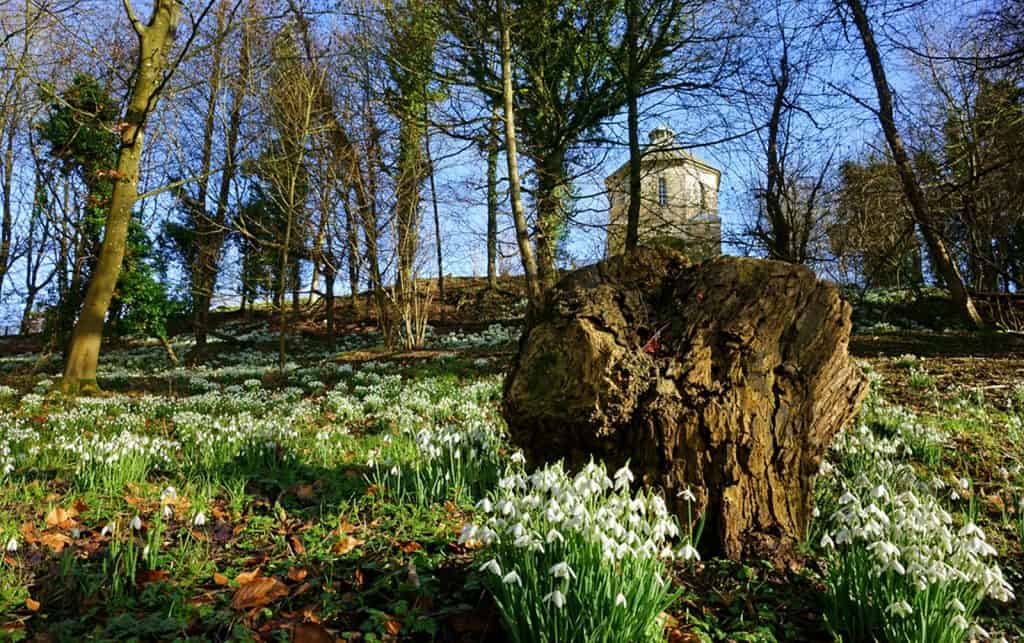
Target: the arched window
(662, 191)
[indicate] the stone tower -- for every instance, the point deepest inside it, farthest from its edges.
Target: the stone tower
(679, 199)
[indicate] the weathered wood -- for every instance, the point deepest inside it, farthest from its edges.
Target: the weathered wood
(729, 378)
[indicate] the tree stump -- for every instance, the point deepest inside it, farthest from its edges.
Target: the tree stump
(729, 378)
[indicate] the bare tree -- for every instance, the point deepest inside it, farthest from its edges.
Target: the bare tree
(885, 112)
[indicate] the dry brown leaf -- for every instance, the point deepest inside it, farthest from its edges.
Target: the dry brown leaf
(247, 577)
(56, 542)
(359, 579)
(61, 517)
(200, 536)
(345, 545)
(32, 604)
(411, 547)
(392, 626)
(297, 545)
(305, 492)
(220, 579)
(297, 574)
(310, 633)
(152, 576)
(259, 592)
(28, 532)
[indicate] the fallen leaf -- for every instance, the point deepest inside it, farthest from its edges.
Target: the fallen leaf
(305, 492)
(152, 576)
(80, 506)
(310, 633)
(259, 592)
(247, 577)
(392, 626)
(61, 517)
(200, 536)
(220, 579)
(359, 579)
(345, 545)
(297, 574)
(56, 542)
(297, 545)
(411, 547)
(32, 605)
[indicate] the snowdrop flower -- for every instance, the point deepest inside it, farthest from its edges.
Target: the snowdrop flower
(136, 523)
(12, 545)
(107, 529)
(468, 533)
(199, 520)
(900, 608)
(491, 566)
(965, 484)
(689, 552)
(620, 600)
(518, 458)
(977, 632)
(826, 542)
(562, 570)
(553, 535)
(623, 478)
(168, 512)
(556, 598)
(485, 506)
(512, 578)
(687, 495)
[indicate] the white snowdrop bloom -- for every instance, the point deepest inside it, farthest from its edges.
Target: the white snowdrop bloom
(900, 608)
(620, 600)
(518, 458)
(469, 532)
(687, 495)
(199, 520)
(815, 513)
(954, 496)
(977, 633)
(847, 498)
(556, 598)
(107, 529)
(170, 493)
(880, 492)
(553, 535)
(843, 536)
(145, 551)
(485, 506)
(623, 478)
(76, 532)
(12, 544)
(168, 512)
(136, 523)
(826, 542)
(491, 566)
(961, 622)
(956, 605)
(507, 508)
(512, 578)
(689, 552)
(965, 484)
(562, 570)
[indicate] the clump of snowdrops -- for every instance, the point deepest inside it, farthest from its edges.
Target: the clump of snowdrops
(576, 557)
(898, 568)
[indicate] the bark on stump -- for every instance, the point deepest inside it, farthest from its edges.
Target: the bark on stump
(730, 378)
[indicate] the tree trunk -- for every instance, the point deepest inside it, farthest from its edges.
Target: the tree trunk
(633, 124)
(518, 215)
(154, 41)
(915, 195)
(329, 276)
(550, 192)
(780, 244)
(437, 222)
(493, 145)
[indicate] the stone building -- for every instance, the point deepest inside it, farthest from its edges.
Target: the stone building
(679, 199)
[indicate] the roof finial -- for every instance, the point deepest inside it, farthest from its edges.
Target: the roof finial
(662, 136)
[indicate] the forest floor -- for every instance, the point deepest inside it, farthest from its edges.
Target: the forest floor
(228, 502)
